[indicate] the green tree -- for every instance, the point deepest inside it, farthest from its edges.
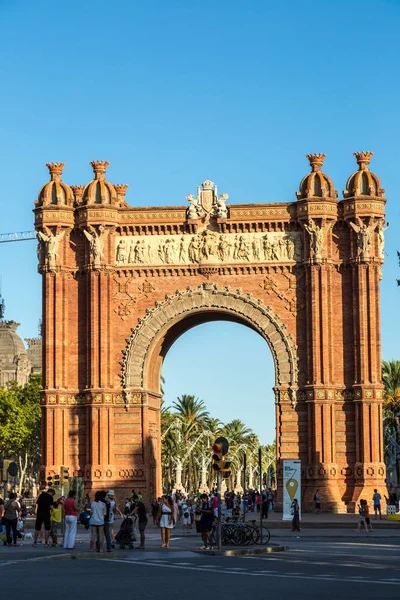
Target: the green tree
(193, 414)
(20, 418)
(391, 381)
(391, 411)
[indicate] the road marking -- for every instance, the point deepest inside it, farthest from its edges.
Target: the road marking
(260, 574)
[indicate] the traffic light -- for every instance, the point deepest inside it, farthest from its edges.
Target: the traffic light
(50, 481)
(64, 474)
(220, 448)
(56, 479)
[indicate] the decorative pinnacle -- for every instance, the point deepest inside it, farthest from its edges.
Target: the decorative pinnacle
(207, 185)
(363, 159)
(316, 161)
(99, 168)
(56, 170)
(121, 188)
(77, 190)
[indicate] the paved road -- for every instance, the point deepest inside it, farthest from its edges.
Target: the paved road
(310, 569)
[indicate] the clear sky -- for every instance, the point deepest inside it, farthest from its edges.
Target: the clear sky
(175, 92)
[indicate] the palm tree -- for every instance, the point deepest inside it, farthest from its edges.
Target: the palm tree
(391, 381)
(391, 412)
(193, 415)
(240, 440)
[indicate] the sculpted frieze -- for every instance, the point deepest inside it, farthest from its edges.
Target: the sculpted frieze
(208, 247)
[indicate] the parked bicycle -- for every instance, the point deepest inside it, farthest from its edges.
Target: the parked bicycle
(236, 532)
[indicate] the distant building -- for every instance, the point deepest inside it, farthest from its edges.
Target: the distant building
(17, 362)
(35, 354)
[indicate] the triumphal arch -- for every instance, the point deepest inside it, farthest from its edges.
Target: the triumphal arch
(121, 283)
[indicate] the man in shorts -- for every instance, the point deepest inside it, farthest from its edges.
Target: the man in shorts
(206, 522)
(44, 504)
(377, 504)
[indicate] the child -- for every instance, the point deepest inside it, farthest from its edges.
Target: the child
(56, 518)
(361, 512)
(367, 519)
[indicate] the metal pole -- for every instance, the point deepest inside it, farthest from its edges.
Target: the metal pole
(63, 514)
(244, 486)
(219, 481)
(260, 470)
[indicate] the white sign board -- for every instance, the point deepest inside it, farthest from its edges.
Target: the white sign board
(291, 487)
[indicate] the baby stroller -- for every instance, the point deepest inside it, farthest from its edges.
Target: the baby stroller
(126, 534)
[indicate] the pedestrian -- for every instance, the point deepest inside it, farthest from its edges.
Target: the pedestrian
(87, 503)
(258, 501)
(197, 515)
(296, 515)
(367, 519)
(11, 514)
(264, 505)
(207, 518)
(361, 516)
(71, 520)
(317, 502)
(229, 506)
(185, 517)
(113, 511)
(56, 519)
(166, 520)
(377, 504)
(44, 504)
(141, 513)
(155, 506)
(1, 514)
(98, 512)
(107, 533)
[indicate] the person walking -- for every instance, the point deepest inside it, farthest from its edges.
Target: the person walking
(361, 517)
(1, 514)
(317, 502)
(264, 505)
(56, 519)
(296, 515)
(113, 511)
(207, 518)
(367, 517)
(71, 520)
(98, 512)
(44, 504)
(377, 504)
(197, 515)
(155, 506)
(11, 514)
(141, 513)
(166, 520)
(186, 519)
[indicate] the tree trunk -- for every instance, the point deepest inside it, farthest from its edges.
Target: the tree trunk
(23, 465)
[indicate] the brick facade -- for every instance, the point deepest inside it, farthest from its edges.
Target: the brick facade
(121, 283)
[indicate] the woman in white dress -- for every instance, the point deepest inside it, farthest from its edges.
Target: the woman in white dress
(186, 516)
(166, 520)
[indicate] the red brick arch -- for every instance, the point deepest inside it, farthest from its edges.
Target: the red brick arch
(121, 279)
(203, 303)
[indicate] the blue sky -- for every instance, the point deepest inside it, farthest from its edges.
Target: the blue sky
(174, 92)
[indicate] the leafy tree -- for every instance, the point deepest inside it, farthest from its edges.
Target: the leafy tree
(391, 411)
(391, 381)
(20, 418)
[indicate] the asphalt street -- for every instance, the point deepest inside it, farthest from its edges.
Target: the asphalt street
(309, 569)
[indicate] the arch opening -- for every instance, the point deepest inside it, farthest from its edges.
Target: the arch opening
(155, 333)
